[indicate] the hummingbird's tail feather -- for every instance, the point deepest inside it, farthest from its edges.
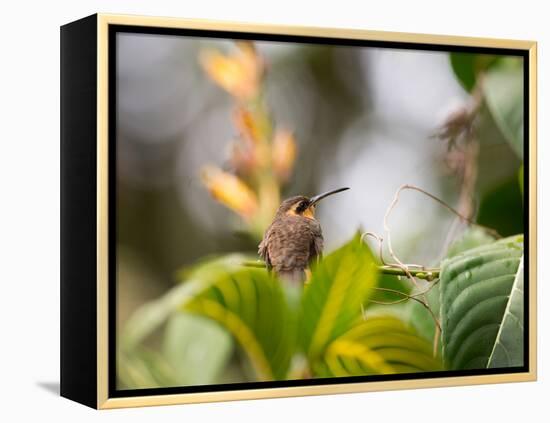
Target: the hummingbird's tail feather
(295, 276)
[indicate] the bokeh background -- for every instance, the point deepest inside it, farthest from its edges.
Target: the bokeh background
(368, 118)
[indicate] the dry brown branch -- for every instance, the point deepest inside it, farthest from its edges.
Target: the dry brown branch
(461, 216)
(460, 133)
(398, 262)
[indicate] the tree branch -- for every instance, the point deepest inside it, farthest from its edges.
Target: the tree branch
(426, 274)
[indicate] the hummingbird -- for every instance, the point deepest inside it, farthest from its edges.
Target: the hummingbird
(294, 239)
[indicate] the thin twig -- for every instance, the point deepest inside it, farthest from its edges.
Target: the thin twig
(402, 300)
(424, 300)
(437, 334)
(405, 298)
(380, 242)
(424, 303)
(409, 297)
(451, 209)
(399, 263)
(381, 254)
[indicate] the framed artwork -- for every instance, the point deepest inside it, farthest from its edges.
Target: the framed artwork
(257, 211)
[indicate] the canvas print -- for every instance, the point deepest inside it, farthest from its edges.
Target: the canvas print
(296, 211)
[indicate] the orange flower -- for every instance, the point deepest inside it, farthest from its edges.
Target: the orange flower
(238, 73)
(247, 126)
(283, 154)
(230, 191)
(254, 129)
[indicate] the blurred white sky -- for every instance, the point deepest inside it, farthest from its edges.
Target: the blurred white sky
(163, 94)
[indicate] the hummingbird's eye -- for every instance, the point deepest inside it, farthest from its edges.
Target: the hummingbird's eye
(302, 206)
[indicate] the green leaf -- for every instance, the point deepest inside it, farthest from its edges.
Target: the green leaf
(467, 67)
(152, 315)
(252, 306)
(508, 348)
(378, 345)
(333, 300)
(143, 368)
(501, 208)
(471, 238)
(197, 349)
(503, 89)
(475, 289)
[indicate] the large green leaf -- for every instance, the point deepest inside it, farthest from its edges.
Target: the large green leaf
(503, 89)
(333, 300)
(197, 349)
(508, 348)
(252, 305)
(378, 345)
(476, 286)
(472, 237)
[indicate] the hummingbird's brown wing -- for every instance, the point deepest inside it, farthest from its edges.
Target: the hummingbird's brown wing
(317, 242)
(263, 250)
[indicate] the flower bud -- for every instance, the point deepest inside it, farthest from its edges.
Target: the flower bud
(238, 73)
(248, 127)
(230, 191)
(283, 154)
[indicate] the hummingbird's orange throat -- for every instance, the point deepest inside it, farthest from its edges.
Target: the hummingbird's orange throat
(307, 213)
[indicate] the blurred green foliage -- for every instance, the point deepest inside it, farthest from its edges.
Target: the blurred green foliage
(467, 67)
(503, 89)
(328, 327)
(273, 324)
(189, 341)
(505, 197)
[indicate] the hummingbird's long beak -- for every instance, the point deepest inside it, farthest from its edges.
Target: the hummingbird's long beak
(317, 198)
